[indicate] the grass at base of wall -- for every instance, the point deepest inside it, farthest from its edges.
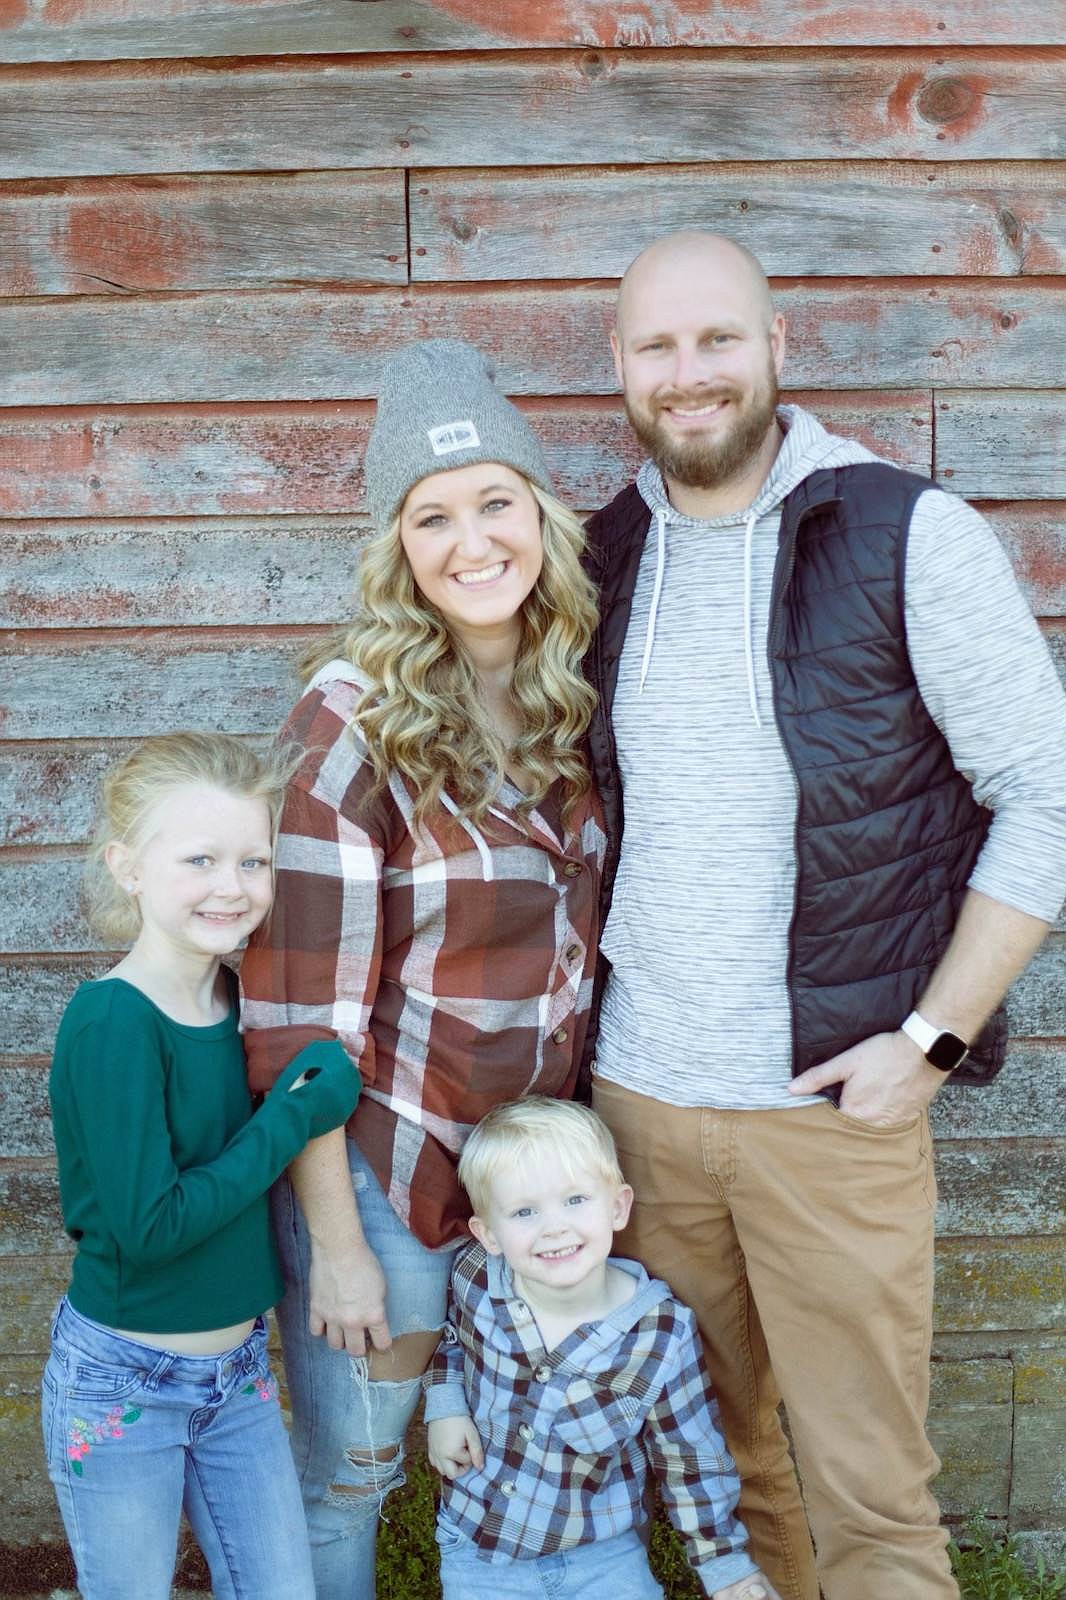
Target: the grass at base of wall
(990, 1567)
(987, 1565)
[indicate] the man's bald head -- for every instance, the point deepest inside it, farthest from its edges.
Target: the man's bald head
(698, 349)
(690, 256)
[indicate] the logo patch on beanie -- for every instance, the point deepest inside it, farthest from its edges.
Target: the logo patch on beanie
(453, 436)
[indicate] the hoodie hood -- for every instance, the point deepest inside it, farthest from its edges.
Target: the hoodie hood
(806, 447)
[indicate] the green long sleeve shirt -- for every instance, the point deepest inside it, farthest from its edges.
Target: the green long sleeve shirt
(164, 1165)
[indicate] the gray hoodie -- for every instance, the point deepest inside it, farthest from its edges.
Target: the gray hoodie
(696, 1010)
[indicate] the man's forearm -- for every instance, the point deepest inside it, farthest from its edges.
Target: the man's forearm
(992, 945)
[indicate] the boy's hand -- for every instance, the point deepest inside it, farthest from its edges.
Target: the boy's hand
(753, 1587)
(454, 1446)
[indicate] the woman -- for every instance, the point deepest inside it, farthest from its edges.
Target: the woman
(436, 907)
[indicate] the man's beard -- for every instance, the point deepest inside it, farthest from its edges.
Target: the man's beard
(702, 462)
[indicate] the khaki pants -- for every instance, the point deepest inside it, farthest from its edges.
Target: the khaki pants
(803, 1240)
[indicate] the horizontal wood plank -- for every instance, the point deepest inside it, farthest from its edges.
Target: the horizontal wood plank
(1036, 1004)
(1001, 445)
(531, 109)
(48, 791)
(203, 572)
(981, 1285)
(85, 30)
(128, 689)
(211, 572)
(1000, 1186)
(840, 218)
(993, 1189)
(1027, 1099)
(1034, 536)
(31, 1222)
(33, 994)
(28, 1294)
(1002, 1283)
(321, 345)
(128, 235)
(25, 1117)
(970, 1423)
(257, 460)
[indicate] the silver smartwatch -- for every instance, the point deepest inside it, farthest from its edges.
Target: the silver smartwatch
(941, 1049)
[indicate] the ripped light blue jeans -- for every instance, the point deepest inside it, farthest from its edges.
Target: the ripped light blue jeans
(339, 1415)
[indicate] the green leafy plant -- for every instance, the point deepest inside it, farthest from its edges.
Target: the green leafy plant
(989, 1567)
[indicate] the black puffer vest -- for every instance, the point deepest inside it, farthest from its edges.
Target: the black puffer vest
(887, 830)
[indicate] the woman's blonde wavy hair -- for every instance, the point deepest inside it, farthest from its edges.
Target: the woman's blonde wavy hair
(138, 784)
(422, 714)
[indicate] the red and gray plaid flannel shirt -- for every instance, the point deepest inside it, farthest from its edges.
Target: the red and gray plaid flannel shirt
(454, 963)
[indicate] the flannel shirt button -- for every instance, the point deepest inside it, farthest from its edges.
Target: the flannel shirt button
(508, 1488)
(525, 1431)
(542, 1374)
(560, 1036)
(572, 869)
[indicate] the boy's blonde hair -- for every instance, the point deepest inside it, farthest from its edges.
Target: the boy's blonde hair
(134, 788)
(519, 1129)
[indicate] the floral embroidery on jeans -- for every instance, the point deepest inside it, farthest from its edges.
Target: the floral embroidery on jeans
(83, 1435)
(266, 1388)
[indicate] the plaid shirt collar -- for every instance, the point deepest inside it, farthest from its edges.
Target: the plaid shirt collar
(578, 1350)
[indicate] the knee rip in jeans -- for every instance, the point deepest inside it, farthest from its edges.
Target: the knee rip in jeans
(370, 1474)
(372, 1468)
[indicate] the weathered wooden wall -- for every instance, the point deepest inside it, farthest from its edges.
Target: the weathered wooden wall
(216, 219)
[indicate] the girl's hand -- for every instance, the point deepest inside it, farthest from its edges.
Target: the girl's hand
(348, 1300)
(753, 1587)
(454, 1446)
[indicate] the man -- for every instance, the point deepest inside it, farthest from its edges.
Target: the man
(841, 748)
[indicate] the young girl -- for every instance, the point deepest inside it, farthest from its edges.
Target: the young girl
(438, 867)
(157, 1393)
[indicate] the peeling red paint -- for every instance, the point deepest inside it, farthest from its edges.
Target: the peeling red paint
(898, 106)
(129, 241)
(979, 252)
(1040, 256)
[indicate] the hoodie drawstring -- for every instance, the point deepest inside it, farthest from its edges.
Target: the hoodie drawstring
(749, 653)
(750, 520)
(660, 568)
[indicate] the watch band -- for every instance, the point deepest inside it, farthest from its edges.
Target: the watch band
(941, 1049)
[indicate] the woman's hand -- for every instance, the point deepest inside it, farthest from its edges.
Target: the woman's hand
(348, 1300)
(453, 1446)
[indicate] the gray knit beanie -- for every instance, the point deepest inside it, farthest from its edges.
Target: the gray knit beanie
(439, 408)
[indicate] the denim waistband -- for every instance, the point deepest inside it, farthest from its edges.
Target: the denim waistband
(103, 1344)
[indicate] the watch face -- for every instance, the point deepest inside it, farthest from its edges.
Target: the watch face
(947, 1052)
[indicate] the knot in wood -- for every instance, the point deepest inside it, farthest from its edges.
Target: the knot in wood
(946, 100)
(593, 65)
(1012, 229)
(463, 229)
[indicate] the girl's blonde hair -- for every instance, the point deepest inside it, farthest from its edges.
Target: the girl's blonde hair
(523, 1130)
(135, 787)
(422, 714)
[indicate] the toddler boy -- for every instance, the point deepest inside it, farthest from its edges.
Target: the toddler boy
(563, 1375)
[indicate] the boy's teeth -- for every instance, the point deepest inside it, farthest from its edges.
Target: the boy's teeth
(484, 576)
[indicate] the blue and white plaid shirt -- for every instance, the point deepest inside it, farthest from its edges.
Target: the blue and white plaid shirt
(569, 1433)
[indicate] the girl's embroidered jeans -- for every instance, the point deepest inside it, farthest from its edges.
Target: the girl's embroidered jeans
(135, 1434)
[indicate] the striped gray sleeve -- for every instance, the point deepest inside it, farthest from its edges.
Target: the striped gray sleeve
(988, 680)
